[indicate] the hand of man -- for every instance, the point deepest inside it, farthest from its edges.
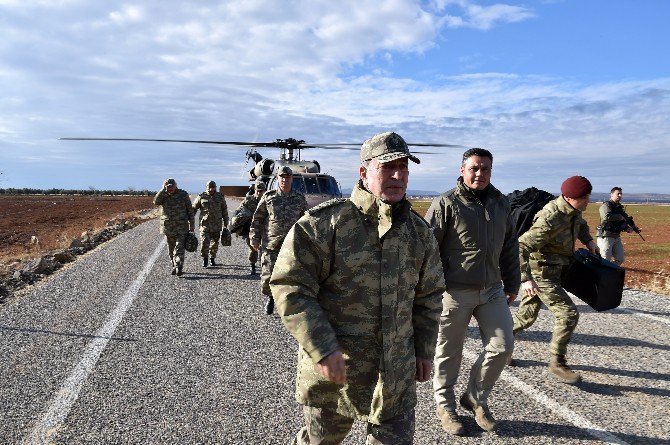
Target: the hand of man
(255, 244)
(423, 368)
(332, 367)
(529, 288)
(593, 248)
(510, 297)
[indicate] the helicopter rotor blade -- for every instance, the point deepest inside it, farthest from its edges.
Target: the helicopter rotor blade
(248, 144)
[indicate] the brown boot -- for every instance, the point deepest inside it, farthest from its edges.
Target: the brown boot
(560, 370)
(483, 416)
(450, 422)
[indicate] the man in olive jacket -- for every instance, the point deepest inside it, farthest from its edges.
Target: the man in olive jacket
(545, 252)
(213, 212)
(177, 219)
(358, 283)
(480, 260)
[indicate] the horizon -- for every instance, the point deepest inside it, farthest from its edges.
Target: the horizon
(553, 88)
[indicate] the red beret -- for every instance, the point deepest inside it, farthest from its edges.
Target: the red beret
(576, 187)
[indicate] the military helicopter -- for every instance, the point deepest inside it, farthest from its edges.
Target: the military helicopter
(307, 176)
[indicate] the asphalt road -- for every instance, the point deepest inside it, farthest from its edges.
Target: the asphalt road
(114, 349)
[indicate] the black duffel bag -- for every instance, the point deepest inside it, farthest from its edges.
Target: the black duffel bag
(594, 280)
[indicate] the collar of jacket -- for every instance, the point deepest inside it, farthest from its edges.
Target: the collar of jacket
(280, 193)
(565, 207)
(378, 210)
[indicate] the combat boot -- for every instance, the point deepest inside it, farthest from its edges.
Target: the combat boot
(174, 271)
(204, 262)
(483, 416)
(559, 369)
(211, 262)
(253, 268)
(450, 422)
(269, 305)
(180, 271)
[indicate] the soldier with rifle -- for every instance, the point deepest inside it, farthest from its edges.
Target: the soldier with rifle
(613, 221)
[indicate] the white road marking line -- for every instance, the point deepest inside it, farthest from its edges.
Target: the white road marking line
(642, 314)
(62, 402)
(577, 420)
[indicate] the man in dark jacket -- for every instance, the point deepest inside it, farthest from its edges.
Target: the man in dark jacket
(480, 260)
(613, 221)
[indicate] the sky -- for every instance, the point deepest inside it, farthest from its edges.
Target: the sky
(553, 88)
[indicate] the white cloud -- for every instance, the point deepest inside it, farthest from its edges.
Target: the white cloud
(481, 17)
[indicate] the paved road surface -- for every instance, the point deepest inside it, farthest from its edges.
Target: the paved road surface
(116, 350)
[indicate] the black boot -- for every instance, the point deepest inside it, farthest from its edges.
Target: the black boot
(269, 305)
(180, 271)
(204, 261)
(211, 262)
(174, 270)
(253, 268)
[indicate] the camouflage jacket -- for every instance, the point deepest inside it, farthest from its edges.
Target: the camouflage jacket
(213, 209)
(240, 223)
(176, 212)
(613, 220)
(274, 216)
(478, 243)
(550, 242)
(354, 276)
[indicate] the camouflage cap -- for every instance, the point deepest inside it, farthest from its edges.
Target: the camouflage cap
(210, 184)
(386, 147)
(285, 170)
(170, 181)
(259, 185)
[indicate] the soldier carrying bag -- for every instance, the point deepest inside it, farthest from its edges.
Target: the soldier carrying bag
(226, 238)
(594, 280)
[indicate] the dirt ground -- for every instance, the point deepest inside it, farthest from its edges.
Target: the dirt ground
(56, 220)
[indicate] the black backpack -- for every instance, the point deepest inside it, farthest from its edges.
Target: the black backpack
(525, 204)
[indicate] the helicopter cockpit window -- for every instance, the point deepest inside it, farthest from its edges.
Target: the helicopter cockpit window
(311, 185)
(298, 185)
(328, 186)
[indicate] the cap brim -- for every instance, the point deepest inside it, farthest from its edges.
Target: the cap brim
(388, 157)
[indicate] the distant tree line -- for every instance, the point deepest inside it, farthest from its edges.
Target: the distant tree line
(90, 192)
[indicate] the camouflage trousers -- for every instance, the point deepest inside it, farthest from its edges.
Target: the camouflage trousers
(611, 248)
(559, 303)
(176, 249)
(209, 243)
(253, 255)
(268, 260)
(489, 307)
(327, 427)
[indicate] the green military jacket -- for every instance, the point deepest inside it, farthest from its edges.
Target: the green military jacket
(356, 276)
(213, 210)
(176, 212)
(241, 220)
(613, 220)
(550, 242)
(478, 243)
(275, 214)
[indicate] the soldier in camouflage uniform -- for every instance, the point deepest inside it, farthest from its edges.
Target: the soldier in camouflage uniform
(545, 252)
(246, 211)
(213, 209)
(480, 257)
(276, 212)
(613, 221)
(177, 219)
(358, 283)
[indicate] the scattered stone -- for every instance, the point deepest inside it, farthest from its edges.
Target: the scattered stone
(63, 256)
(77, 244)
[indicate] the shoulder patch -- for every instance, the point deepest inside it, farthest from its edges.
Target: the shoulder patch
(325, 205)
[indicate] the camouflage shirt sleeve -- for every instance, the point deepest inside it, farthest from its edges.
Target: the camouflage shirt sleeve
(584, 233)
(224, 210)
(190, 211)
(532, 241)
(196, 204)
(160, 197)
(259, 221)
(295, 284)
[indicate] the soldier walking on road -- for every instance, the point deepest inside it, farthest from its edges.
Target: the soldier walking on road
(480, 261)
(177, 219)
(276, 212)
(545, 252)
(213, 210)
(242, 220)
(613, 221)
(358, 283)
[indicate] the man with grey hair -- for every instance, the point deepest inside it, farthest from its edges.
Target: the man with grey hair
(213, 211)
(480, 260)
(358, 283)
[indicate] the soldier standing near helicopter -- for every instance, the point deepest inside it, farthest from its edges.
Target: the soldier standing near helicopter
(177, 219)
(241, 222)
(213, 210)
(275, 214)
